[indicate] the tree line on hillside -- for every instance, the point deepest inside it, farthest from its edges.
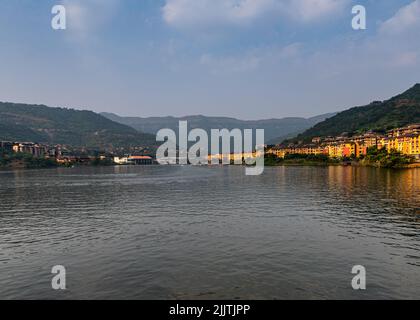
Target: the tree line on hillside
(379, 116)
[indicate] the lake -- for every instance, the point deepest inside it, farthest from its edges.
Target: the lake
(183, 232)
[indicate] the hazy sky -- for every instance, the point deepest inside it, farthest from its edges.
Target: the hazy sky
(243, 58)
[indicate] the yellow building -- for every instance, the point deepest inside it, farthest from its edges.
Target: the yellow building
(415, 146)
(278, 152)
(237, 157)
(408, 145)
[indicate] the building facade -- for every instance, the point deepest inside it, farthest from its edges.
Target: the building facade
(133, 160)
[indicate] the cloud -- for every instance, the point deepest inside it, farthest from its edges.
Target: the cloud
(84, 17)
(404, 59)
(225, 65)
(310, 10)
(291, 51)
(211, 13)
(397, 41)
(251, 60)
(182, 13)
(407, 19)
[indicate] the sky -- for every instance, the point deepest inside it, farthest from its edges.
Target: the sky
(248, 59)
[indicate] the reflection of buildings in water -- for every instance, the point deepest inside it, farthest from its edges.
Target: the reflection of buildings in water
(405, 182)
(388, 186)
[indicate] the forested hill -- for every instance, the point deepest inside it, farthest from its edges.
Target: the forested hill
(379, 116)
(39, 123)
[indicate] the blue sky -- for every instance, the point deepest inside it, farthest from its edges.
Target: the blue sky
(249, 59)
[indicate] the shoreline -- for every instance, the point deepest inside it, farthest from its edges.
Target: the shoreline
(270, 165)
(315, 164)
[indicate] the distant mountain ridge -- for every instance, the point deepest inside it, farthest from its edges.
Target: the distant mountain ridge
(380, 116)
(82, 128)
(275, 129)
(39, 123)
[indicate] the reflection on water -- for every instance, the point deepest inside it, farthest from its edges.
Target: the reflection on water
(210, 232)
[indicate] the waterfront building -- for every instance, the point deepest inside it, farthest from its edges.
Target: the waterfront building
(34, 149)
(121, 160)
(133, 160)
(233, 156)
(408, 144)
(140, 160)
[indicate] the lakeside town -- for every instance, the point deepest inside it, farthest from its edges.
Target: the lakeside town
(18, 154)
(404, 141)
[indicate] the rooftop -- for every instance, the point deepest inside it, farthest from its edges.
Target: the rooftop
(140, 158)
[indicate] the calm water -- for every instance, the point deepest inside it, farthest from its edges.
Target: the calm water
(210, 233)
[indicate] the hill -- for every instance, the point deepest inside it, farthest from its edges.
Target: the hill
(378, 116)
(275, 129)
(39, 123)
